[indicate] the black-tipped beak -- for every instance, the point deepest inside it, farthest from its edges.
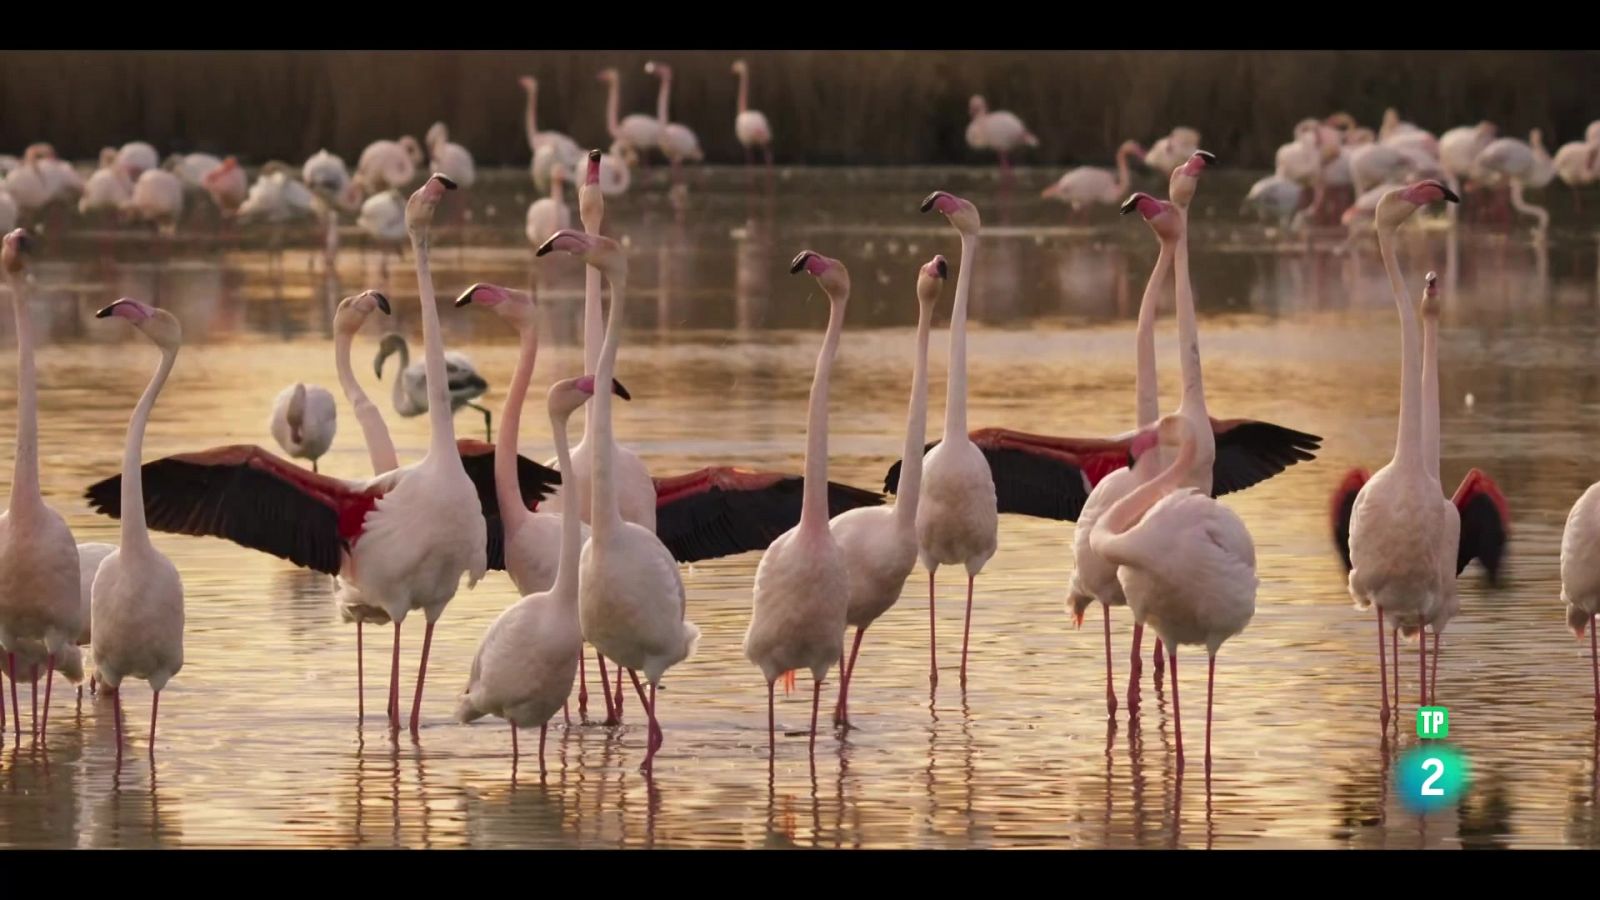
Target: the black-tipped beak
(546, 247)
(1432, 277)
(943, 268)
(383, 303)
(466, 295)
(927, 202)
(449, 183)
(800, 262)
(619, 390)
(107, 311)
(1130, 204)
(1449, 195)
(1208, 156)
(594, 155)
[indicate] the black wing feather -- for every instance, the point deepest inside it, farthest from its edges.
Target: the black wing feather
(717, 522)
(1483, 537)
(1251, 452)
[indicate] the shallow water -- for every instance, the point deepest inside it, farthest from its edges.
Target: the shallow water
(258, 740)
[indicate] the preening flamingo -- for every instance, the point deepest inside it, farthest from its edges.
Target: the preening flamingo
(386, 165)
(1577, 164)
(383, 218)
(1521, 165)
(879, 544)
(411, 395)
(227, 186)
(1000, 131)
(158, 199)
(802, 585)
(526, 661)
(39, 597)
(325, 174)
(957, 520)
(631, 600)
(276, 197)
(750, 125)
(137, 158)
(638, 133)
(191, 168)
(1085, 185)
(137, 599)
(304, 419)
(1186, 562)
(676, 142)
(1459, 148)
(108, 189)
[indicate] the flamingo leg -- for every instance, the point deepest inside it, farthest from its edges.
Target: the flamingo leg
(1594, 663)
(1211, 687)
(1133, 668)
(1111, 692)
(116, 715)
(49, 679)
(772, 727)
(1158, 658)
(605, 689)
(650, 740)
(933, 638)
(618, 698)
(33, 697)
(361, 688)
(394, 682)
(2, 704)
(155, 705)
(514, 749)
(1394, 658)
(655, 721)
(816, 703)
(1177, 716)
(1422, 668)
(841, 715)
(966, 633)
(1433, 672)
(422, 677)
(1383, 676)
(543, 729)
(16, 707)
(583, 686)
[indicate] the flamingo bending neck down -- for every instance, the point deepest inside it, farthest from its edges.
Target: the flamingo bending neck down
(410, 394)
(304, 420)
(40, 601)
(631, 600)
(137, 598)
(879, 544)
(802, 585)
(957, 518)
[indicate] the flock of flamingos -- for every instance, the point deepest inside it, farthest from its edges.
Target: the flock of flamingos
(593, 542)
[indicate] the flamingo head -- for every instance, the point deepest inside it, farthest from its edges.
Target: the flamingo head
(609, 75)
(412, 148)
(596, 250)
(1487, 129)
(1578, 620)
(1186, 178)
(17, 247)
(295, 415)
(931, 278)
(829, 272)
(353, 311)
(977, 106)
(157, 324)
(1430, 296)
(1132, 148)
(1161, 216)
(739, 67)
(37, 152)
(592, 173)
(228, 166)
(568, 394)
(591, 201)
(517, 307)
(660, 70)
(529, 84)
(419, 209)
(1398, 205)
(108, 158)
(961, 213)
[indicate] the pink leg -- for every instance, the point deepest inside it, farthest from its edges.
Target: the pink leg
(1111, 692)
(116, 715)
(394, 682)
(966, 633)
(841, 715)
(1422, 668)
(361, 688)
(422, 676)
(49, 680)
(1211, 687)
(1433, 673)
(1383, 676)
(543, 729)
(618, 699)
(155, 706)
(1177, 716)
(772, 724)
(33, 697)
(16, 708)
(605, 689)
(1158, 657)
(655, 721)
(1134, 666)
(933, 638)
(1594, 663)
(583, 686)
(1394, 658)
(650, 741)
(566, 713)
(816, 703)
(515, 751)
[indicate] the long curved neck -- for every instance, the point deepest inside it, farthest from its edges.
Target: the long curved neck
(1147, 400)
(507, 489)
(593, 323)
(1126, 513)
(744, 91)
(604, 517)
(443, 439)
(397, 390)
(1430, 395)
(1194, 394)
(380, 447)
(613, 101)
(814, 502)
(530, 119)
(909, 492)
(1408, 437)
(1123, 178)
(566, 586)
(661, 102)
(25, 494)
(135, 534)
(955, 402)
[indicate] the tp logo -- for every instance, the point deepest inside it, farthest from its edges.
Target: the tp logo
(1432, 776)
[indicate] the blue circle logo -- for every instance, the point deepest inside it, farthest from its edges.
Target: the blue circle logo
(1431, 777)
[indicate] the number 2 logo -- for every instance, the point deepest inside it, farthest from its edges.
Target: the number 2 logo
(1435, 765)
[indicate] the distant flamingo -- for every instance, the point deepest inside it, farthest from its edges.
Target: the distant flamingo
(158, 199)
(303, 421)
(1172, 149)
(1000, 131)
(411, 394)
(137, 158)
(551, 149)
(449, 158)
(137, 598)
(1577, 164)
(676, 142)
(548, 215)
(638, 133)
(383, 219)
(1087, 185)
(802, 584)
(879, 544)
(1521, 165)
(631, 600)
(385, 164)
(226, 185)
(108, 189)
(750, 125)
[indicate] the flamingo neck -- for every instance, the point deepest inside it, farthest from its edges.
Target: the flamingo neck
(1194, 394)
(1430, 395)
(135, 534)
(604, 516)
(955, 403)
(1408, 437)
(440, 422)
(1123, 178)
(1127, 512)
(593, 325)
(565, 590)
(613, 101)
(661, 112)
(380, 448)
(1147, 401)
(744, 91)
(530, 119)
(397, 390)
(507, 486)
(25, 494)
(814, 502)
(909, 491)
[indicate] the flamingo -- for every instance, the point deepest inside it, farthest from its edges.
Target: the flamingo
(388, 164)
(1090, 184)
(158, 199)
(411, 395)
(676, 142)
(136, 158)
(548, 215)
(750, 125)
(631, 600)
(31, 184)
(276, 197)
(90, 555)
(8, 210)
(1399, 518)
(1522, 165)
(1278, 198)
(1187, 563)
(450, 159)
(137, 597)
(1000, 131)
(526, 660)
(383, 218)
(957, 522)
(1459, 148)
(802, 586)
(1577, 164)
(1173, 149)
(303, 421)
(191, 168)
(879, 544)
(637, 133)
(227, 186)
(561, 150)
(39, 599)
(325, 174)
(108, 190)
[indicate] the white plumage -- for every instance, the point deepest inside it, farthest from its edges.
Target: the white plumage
(304, 419)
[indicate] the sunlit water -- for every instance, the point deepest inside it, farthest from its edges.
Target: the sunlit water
(258, 739)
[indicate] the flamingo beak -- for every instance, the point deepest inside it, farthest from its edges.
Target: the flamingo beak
(1208, 156)
(943, 267)
(449, 184)
(619, 390)
(1130, 204)
(383, 302)
(799, 264)
(466, 295)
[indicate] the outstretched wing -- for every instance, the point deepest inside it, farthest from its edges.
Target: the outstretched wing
(720, 510)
